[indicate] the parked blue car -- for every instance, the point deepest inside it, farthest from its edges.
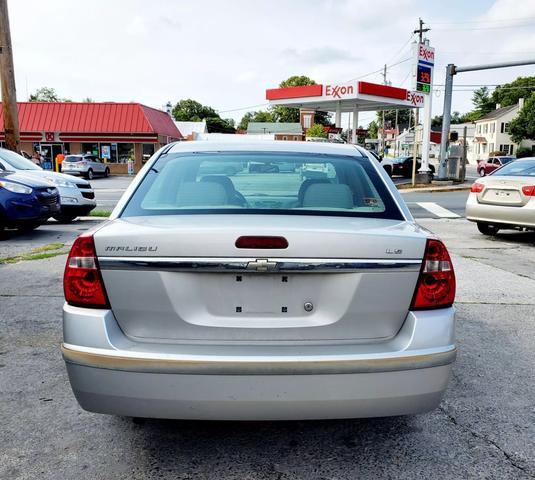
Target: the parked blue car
(25, 202)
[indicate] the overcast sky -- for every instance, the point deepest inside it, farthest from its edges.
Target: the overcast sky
(226, 53)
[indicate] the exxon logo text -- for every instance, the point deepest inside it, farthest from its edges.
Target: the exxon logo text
(415, 98)
(336, 91)
(427, 54)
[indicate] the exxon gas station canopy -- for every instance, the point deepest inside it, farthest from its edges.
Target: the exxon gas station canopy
(346, 97)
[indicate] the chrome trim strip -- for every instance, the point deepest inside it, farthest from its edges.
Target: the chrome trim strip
(249, 265)
(125, 360)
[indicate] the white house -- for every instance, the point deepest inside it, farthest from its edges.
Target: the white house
(492, 132)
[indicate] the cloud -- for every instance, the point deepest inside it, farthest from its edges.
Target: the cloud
(319, 55)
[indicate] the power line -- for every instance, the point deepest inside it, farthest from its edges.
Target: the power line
(486, 21)
(468, 28)
(243, 108)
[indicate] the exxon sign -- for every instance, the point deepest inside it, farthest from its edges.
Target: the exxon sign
(416, 99)
(426, 55)
(340, 91)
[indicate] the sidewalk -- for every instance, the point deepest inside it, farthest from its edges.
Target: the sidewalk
(458, 187)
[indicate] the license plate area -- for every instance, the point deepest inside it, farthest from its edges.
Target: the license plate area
(503, 197)
(265, 294)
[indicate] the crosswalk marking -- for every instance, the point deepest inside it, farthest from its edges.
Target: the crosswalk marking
(437, 210)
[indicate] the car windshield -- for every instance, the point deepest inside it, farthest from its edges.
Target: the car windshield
(263, 183)
(520, 168)
(16, 161)
(505, 160)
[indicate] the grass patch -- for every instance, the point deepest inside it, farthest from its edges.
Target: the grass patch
(39, 253)
(100, 213)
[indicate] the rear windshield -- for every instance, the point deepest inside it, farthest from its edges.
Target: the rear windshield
(262, 183)
(518, 168)
(73, 158)
(505, 160)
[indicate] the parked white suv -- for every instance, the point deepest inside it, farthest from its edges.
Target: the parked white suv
(76, 195)
(84, 165)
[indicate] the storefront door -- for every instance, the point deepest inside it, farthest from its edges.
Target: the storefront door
(49, 152)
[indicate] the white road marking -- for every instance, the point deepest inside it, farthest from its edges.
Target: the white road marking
(437, 210)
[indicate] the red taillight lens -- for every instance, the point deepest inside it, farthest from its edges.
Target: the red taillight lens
(261, 242)
(82, 281)
(529, 190)
(477, 187)
(436, 284)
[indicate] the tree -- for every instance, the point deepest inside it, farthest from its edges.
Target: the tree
(218, 125)
(390, 118)
(316, 130)
(260, 116)
(291, 115)
(523, 126)
(482, 101)
(456, 118)
(372, 129)
(46, 94)
(192, 111)
(510, 93)
(189, 110)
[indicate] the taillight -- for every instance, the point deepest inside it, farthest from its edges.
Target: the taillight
(477, 187)
(261, 242)
(82, 281)
(436, 284)
(529, 190)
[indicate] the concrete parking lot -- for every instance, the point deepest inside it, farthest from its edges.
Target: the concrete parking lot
(484, 428)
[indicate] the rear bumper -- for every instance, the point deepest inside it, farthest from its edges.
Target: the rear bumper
(514, 216)
(111, 374)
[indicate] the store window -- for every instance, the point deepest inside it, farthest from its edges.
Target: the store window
(108, 152)
(125, 152)
(148, 151)
(91, 148)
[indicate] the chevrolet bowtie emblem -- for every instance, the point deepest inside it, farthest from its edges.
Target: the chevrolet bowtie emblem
(262, 265)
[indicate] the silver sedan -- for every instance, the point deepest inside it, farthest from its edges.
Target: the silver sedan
(259, 296)
(505, 199)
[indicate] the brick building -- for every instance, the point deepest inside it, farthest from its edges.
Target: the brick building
(129, 131)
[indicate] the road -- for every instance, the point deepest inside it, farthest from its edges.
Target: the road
(484, 428)
(108, 191)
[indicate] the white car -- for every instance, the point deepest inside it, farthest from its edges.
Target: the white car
(259, 297)
(505, 199)
(77, 198)
(87, 166)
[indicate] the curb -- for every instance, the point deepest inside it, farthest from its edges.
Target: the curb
(451, 188)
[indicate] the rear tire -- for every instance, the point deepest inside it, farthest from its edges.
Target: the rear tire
(89, 174)
(482, 172)
(64, 218)
(106, 172)
(487, 229)
(28, 227)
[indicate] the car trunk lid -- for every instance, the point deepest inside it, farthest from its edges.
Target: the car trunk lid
(182, 278)
(504, 191)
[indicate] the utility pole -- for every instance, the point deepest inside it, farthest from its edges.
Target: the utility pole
(421, 30)
(7, 78)
(451, 70)
(383, 113)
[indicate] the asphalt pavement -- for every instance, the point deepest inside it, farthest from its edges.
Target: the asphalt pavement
(484, 428)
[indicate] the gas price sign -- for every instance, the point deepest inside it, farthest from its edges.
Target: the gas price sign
(425, 61)
(423, 79)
